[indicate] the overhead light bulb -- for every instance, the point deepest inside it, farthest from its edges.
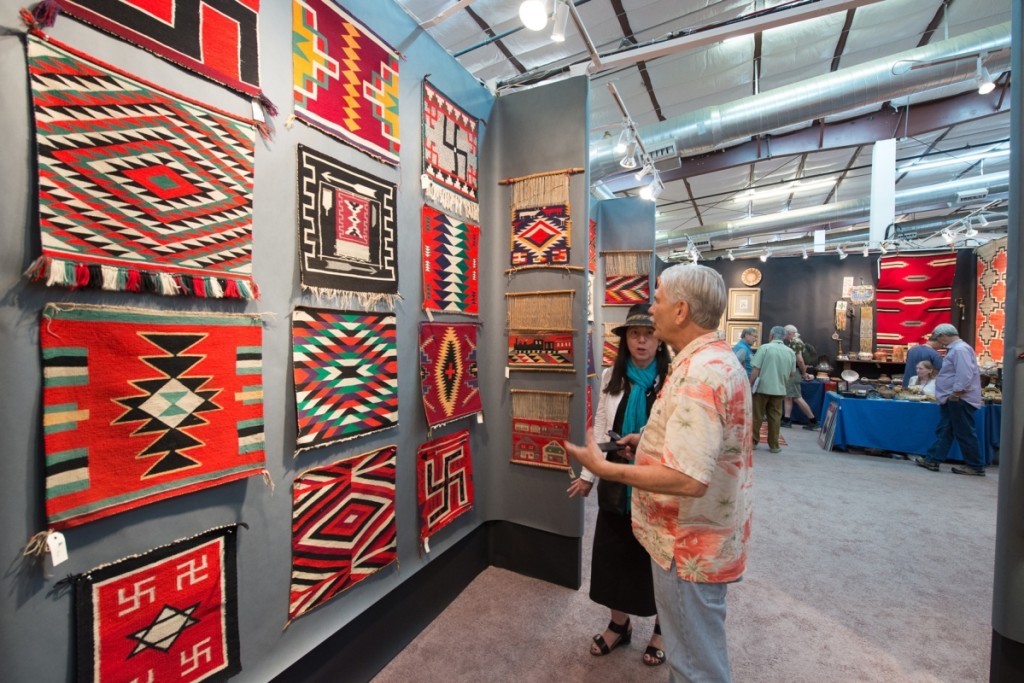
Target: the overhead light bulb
(986, 83)
(534, 14)
(764, 255)
(561, 18)
(947, 235)
(629, 160)
(842, 254)
(652, 190)
(866, 250)
(695, 255)
(644, 172)
(805, 254)
(625, 137)
(732, 256)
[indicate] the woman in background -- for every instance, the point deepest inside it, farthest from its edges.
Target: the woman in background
(923, 382)
(620, 575)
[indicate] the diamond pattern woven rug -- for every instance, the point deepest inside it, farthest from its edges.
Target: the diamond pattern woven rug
(139, 406)
(343, 527)
(345, 367)
(991, 316)
(449, 154)
(914, 295)
(448, 372)
(345, 78)
(541, 237)
(444, 481)
(170, 614)
(347, 244)
(451, 250)
(140, 189)
(218, 39)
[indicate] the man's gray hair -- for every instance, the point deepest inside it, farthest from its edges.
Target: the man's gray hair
(700, 287)
(748, 330)
(791, 329)
(777, 332)
(946, 328)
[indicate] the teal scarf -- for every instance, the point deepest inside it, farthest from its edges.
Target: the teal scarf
(642, 379)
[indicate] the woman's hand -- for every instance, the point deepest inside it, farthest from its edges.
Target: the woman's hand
(579, 486)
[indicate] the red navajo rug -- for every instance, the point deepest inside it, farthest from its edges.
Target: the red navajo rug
(218, 39)
(609, 345)
(347, 244)
(550, 351)
(448, 372)
(540, 443)
(451, 250)
(626, 290)
(541, 236)
(991, 316)
(139, 406)
(913, 296)
(343, 527)
(140, 189)
(345, 368)
(170, 614)
(444, 481)
(592, 239)
(345, 78)
(449, 154)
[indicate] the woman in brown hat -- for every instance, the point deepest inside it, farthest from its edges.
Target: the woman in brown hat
(620, 577)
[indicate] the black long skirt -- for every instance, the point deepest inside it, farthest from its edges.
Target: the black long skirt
(620, 568)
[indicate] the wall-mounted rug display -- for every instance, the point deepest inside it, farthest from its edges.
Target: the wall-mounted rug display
(345, 368)
(218, 39)
(867, 328)
(343, 527)
(592, 252)
(540, 311)
(541, 220)
(540, 332)
(444, 482)
(540, 426)
(347, 226)
(591, 365)
(139, 406)
(170, 614)
(344, 78)
(140, 189)
(590, 406)
(448, 372)
(451, 250)
(991, 315)
(449, 154)
(609, 345)
(914, 295)
(548, 351)
(627, 275)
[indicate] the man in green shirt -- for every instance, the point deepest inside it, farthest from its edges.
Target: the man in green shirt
(772, 364)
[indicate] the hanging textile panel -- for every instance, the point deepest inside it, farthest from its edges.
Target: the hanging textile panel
(451, 250)
(540, 426)
(540, 311)
(444, 482)
(139, 406)
(218, 39)
(448, 372)
(449, 154)
(140, 189)
(541, 224)
(867, 328)
(540, 330)
(345, 368)
(347, 231)
(592, 253)
(609, 345)
(591, 366)
(914, 294)
(343, 527)
(627, 277)
(344, 78)
(991, 315)
(590, 406)
(170, 614)
(549, 351)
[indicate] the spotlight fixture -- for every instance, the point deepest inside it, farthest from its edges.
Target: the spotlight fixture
(883, 247)
(971, 230)
(648, 168)
(534, 14)
(732, 256)
(764, 255)
(805, 254)
(982, 221)
(694, 255)
(629, 160)
(625, 139)
(867, 250)
(652, 190)
(841, 253)
(986, 83)
(560, 19)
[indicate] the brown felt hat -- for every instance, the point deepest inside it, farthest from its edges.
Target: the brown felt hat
(638, 316)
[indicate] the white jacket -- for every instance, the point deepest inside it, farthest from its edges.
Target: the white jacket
(607, 406)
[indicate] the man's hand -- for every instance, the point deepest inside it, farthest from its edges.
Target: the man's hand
(590, 456)
(579, 487)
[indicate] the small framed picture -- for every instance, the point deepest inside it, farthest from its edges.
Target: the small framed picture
(744, 304)
(733, 330)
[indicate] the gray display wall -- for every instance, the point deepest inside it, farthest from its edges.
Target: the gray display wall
(526, 132)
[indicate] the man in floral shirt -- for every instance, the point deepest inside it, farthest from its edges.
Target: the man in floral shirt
(692, 474)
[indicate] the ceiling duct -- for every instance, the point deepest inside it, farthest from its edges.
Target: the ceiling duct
(869, 83)
(665, 158)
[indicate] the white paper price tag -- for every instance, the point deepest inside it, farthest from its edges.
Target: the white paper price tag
(57, 548)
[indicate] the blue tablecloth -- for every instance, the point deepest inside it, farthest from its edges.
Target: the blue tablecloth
(906, 426)
(813, 391)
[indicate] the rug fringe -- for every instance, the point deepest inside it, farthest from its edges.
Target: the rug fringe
(366, 300)
(57, 272)
(451, 202)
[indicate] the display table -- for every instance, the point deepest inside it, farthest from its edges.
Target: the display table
(873, 368)
(813, 391)
(905, 426)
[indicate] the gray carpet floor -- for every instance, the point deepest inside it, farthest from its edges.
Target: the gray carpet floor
(862, 568)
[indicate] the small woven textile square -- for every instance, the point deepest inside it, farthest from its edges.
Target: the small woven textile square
(170, 614)
(914, 294)
(140, 188)
(451, 250)
(540, 426)
(448, 372)
(444, 481)
(449, 154)
(347, 243)
(140, 406)
(541, 236)
(216, 38)
(627, 280)
(345, 78)
(343, 527)
(345, 367)
(550, 351)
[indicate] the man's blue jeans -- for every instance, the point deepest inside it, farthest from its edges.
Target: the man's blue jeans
(956, 420)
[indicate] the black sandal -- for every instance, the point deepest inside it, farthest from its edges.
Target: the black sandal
(625, 635)
(654, 656)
